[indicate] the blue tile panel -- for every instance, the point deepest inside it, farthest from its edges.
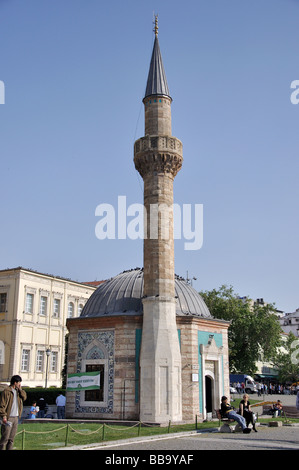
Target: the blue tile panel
(103, 348)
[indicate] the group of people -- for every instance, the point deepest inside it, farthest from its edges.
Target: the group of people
(274, 389)
(11, 407)
(244, 416)
(38, 409)
(269, 389)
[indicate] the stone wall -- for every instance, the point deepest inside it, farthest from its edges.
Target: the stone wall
(124, 381)
(120, 377)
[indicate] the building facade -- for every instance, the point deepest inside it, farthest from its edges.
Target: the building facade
(108, 336)
(289, 322)
(33, 312)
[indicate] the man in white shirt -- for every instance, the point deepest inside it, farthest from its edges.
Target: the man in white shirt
(60, 402)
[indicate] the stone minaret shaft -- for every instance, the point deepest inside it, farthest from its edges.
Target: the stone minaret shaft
(158, 158)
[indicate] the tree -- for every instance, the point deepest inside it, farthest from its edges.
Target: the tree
(286, 360)
(253, 327)
(64, 369)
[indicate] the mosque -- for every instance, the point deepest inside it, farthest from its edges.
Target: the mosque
(161, 355)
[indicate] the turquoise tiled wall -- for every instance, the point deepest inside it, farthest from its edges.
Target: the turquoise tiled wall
(203, 338)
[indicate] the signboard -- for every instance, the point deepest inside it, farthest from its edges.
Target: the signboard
(83, 381)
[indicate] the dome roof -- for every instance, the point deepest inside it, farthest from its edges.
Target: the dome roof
(122, 295)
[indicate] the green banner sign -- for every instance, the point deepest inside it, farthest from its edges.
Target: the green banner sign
(83, 381)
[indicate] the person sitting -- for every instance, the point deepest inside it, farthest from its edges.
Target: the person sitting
(245, 410)
(277, 408)
(33, 411)
(228, 411)
(42, 407)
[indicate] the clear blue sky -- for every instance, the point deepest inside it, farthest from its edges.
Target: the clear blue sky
(75, 74)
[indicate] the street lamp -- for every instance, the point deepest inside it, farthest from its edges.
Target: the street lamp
(48, 354)
(189, 281)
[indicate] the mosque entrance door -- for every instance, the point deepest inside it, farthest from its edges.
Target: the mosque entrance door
(209, 394)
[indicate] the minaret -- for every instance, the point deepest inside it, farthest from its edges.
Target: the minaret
(158, 158)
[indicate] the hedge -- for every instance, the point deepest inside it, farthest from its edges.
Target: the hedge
(49, 395)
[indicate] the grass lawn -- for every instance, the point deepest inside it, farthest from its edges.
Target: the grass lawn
(43, 436)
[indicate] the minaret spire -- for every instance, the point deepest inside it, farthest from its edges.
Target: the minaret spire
(156, 81)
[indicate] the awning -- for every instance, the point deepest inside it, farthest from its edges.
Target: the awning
(266, 376)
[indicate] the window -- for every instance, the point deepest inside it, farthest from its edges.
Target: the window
(54, 361)
(25, 360)
(70, 312)
(3, 302)
(80, 308)
(96, 351)
(96, 395)
(56, 311)
(29, 303)
(40, 361)
(2, 353)
(43, 305)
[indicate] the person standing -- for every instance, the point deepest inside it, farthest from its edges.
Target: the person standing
(11, 406)
(60, 402)
(259, 388)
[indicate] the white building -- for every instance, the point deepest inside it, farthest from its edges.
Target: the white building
(290, 322)
(33, 312)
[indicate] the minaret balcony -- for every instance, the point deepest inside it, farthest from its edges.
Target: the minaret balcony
(160, 143)
(158, 154)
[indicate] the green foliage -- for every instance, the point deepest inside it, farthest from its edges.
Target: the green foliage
(286, 360)
(254, 328)
(64, 370)
(49, 394)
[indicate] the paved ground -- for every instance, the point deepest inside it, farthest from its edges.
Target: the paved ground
(283, 438)
(267, 438)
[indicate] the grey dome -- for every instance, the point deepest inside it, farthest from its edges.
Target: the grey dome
(122, 295)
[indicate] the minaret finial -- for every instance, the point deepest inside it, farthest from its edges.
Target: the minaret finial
(156, 25)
